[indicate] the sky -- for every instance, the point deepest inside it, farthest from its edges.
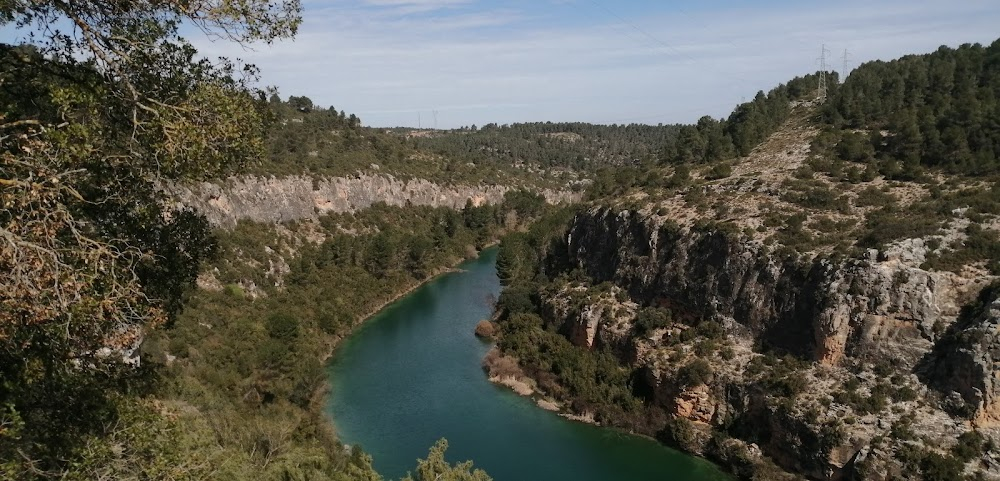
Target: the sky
(452, 63)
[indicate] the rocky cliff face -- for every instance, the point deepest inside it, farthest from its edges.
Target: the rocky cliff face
(593, 321)
(966, 361)
(863, 326)
(273, 200)
(881, 305)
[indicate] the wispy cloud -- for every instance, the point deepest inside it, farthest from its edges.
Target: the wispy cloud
(520, 60)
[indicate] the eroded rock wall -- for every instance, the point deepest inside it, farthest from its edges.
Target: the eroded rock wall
(881, 304)
(967, 361)
(285, 199)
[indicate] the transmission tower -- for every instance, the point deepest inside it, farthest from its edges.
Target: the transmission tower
(420, 123)
(843, 73)
(821, 94)
(435, 120)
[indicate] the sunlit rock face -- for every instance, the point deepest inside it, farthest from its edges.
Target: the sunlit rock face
(879, 305)
(285, 199)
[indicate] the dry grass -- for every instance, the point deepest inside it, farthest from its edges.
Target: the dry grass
(498, 365)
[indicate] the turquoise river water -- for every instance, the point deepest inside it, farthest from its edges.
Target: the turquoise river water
(411, 375)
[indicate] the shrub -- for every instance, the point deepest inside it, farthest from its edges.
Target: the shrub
(515, 300)
(904, 393)
(681, 433)
(872, 196)
(498, 365)
(486, 329)
(970, 446)
(902, 430)
(889, 224)
(855, 147)
(719, 171)
(282, 326)
(695, 373)
(812, 195)
(234, 290)
(937, 467)
(651, 318)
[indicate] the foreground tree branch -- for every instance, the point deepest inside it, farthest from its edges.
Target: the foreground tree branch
(92, 121)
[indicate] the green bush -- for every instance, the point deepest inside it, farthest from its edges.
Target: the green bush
(719, 171)
(970, 446)
(694, 373)
(650, 318)
(282, 326)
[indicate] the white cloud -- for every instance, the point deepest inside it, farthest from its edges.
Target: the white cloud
(387, 59)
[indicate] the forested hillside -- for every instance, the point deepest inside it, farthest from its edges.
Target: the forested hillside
(552, 145)
(750, 124)
(935, 111)
(589, 147)
(306, 139)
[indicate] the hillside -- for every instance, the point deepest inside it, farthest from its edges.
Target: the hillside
(310, 140)
(819, 307)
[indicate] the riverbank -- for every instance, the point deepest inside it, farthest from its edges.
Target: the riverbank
(739, 458)
(362, 319)
(246, 357)
(506, 371)
(437, 273)
(320, 395)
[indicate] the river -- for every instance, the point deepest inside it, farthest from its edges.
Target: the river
(411, 375)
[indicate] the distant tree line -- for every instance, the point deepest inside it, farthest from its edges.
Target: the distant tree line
(573, 145)
(584, 146)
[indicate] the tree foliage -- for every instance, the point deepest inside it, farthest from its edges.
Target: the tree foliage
(749, 124)
(94, 117)
(575, 145)
(938, 110)
(436, 468)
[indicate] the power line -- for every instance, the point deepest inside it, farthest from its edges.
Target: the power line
(643, 32)
(693, 19)
(659, 42)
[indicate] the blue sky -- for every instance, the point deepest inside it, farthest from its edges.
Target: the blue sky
(602, 61)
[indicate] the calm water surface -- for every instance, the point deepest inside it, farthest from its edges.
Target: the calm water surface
(411, 376)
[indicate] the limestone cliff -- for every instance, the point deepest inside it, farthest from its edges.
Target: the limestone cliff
(274, 200)
(879, 305)
(857, 321)
(966, 361)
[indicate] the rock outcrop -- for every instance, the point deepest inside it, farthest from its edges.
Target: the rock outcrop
(881, 305)
(967, 360)
(275, 200)
(582, 313)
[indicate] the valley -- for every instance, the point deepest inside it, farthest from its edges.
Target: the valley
(207, 280)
